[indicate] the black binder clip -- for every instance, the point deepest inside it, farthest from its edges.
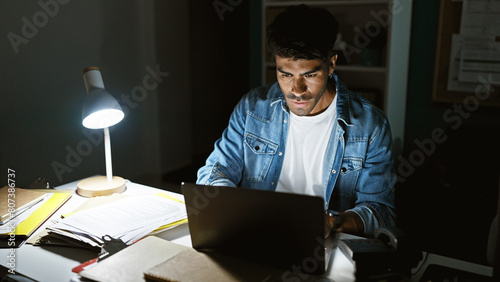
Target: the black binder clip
(110, 247)
(40, 183)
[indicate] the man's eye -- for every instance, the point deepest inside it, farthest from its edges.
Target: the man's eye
(310, 75)
(284, 75)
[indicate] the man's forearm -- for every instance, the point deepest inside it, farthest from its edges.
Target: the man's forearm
(351, 223)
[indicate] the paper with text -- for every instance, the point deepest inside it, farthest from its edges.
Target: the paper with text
(129, 219)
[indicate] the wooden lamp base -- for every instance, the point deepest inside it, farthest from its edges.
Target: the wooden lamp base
(100, 186)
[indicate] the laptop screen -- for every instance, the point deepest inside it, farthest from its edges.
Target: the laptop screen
(282, 230)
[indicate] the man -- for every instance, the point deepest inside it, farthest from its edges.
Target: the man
(307, 133)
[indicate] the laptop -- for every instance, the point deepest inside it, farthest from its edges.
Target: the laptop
(281, 230)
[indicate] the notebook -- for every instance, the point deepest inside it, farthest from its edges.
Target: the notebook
(130, 263)
(16, 201)
(278, 229)
(190, 265)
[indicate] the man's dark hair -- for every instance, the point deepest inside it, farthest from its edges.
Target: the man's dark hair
(302, 32)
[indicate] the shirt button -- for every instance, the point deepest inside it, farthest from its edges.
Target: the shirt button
(341, 138)
(280, 153)
(284, 121)
(272, 183)
(334, 171)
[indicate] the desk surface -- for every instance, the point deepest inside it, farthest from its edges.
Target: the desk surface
(55, 263)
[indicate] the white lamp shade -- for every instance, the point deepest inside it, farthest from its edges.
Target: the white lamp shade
(101, 110)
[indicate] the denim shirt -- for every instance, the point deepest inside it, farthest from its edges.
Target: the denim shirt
(358, 172)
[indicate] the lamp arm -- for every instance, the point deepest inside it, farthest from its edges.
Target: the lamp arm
(107, 152)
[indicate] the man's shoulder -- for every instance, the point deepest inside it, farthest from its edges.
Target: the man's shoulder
(262, 102)
(360, 105)
(263, 96)
(268, 92)
(353, 106)
(362, 115)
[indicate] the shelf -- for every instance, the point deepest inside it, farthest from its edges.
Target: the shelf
(361, 69)
(275, 3)
(353, 68)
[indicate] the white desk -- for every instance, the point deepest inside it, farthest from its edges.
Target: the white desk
(54, 264)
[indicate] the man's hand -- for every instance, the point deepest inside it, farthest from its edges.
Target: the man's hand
(329, 223)
(350, 222)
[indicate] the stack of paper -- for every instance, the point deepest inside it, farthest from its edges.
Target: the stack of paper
(128, 219)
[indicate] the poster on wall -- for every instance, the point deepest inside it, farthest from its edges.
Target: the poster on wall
(467, 59)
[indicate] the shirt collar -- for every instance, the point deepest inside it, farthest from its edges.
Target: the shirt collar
(343, 102)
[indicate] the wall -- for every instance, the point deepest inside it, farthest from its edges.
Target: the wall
(175, 100)
(42, 90)
(220, 66)
(446, 192)
(423, 115)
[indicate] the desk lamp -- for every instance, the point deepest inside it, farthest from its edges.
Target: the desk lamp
(100, 111)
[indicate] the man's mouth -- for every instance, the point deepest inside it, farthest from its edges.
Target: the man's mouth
(299, 104)
(299, 99)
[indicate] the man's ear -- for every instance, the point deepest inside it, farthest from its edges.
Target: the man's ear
(333, 63)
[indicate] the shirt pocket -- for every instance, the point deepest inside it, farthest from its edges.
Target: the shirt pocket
(259, 154)
(350, 165)
(348, 179)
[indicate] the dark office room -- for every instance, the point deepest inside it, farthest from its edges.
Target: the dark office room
(178, 68)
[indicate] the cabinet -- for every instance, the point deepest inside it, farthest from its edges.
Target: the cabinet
(373, 49)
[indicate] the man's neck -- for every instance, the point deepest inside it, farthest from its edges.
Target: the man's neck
(327, 99)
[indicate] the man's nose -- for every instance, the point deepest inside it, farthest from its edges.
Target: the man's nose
(299, 86)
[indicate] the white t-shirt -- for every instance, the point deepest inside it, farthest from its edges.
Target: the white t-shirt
(306, 143)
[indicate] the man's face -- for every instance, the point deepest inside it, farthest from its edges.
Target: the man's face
(305, 84)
